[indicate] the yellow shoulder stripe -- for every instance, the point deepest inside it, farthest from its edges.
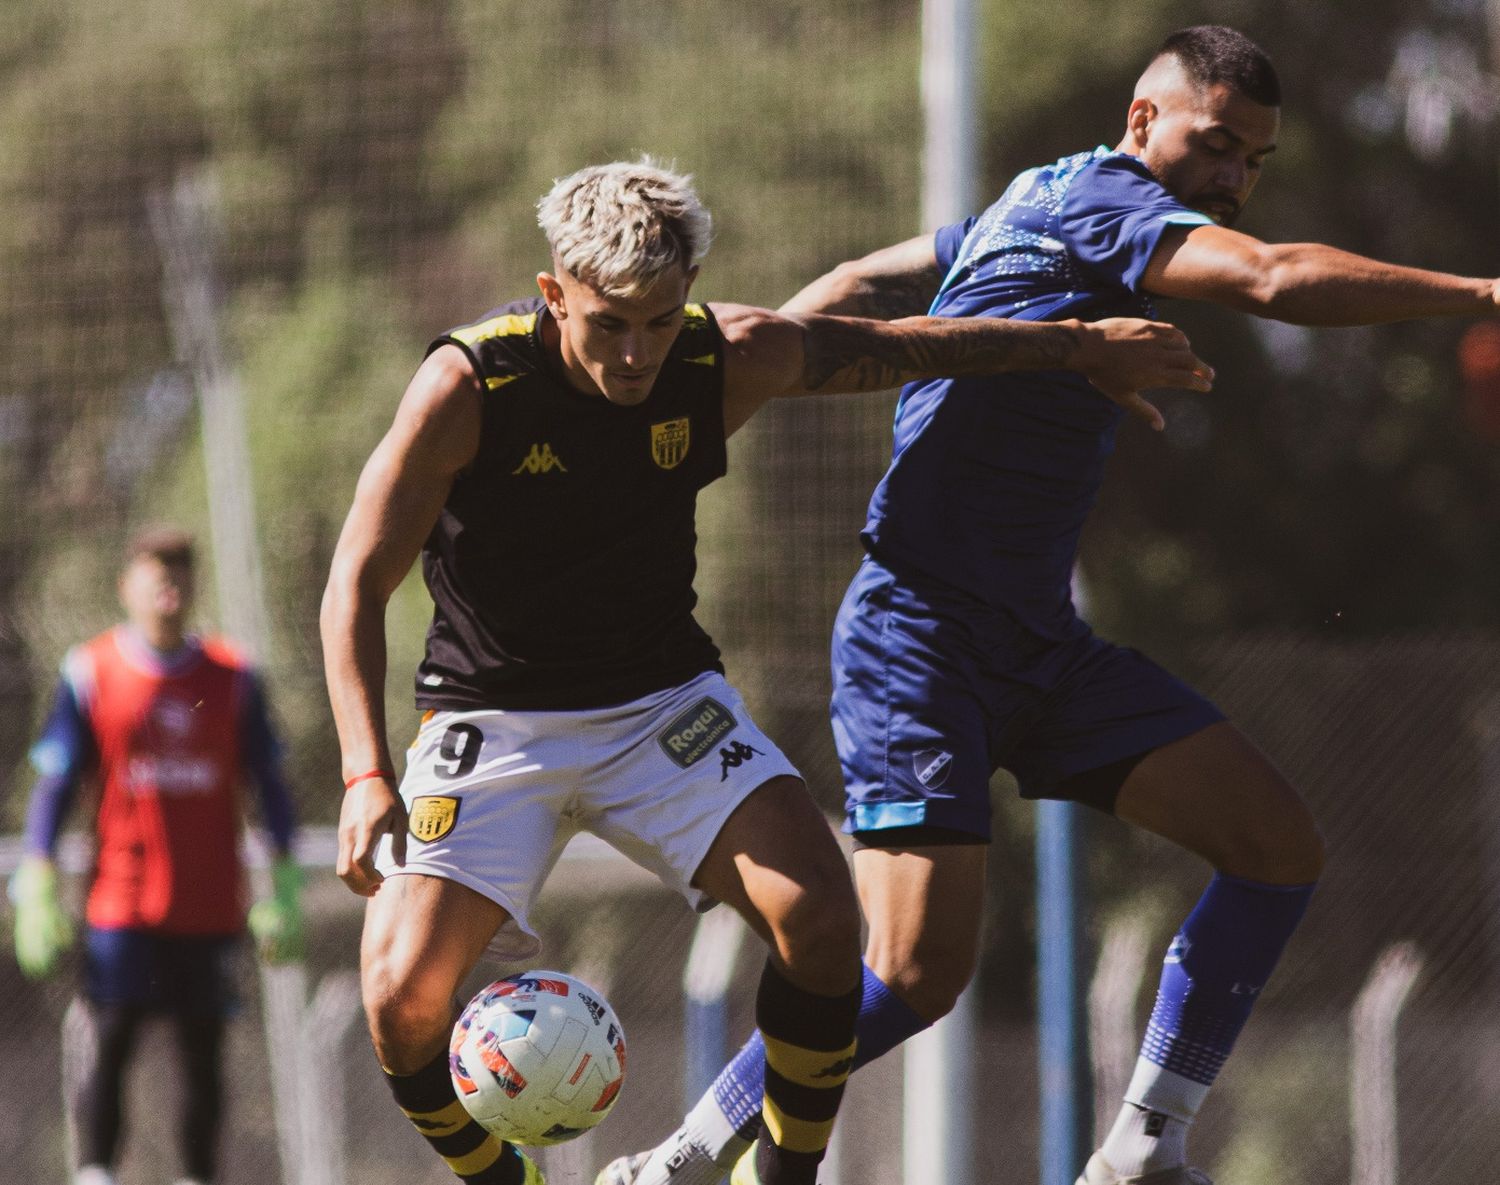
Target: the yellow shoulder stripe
(507, 325)
(499, 380)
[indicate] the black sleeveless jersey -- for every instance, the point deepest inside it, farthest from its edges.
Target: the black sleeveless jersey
(561, 568)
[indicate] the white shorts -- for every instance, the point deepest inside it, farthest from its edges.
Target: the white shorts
(494, 796)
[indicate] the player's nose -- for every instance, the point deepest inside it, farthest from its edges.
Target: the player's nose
(634, 352)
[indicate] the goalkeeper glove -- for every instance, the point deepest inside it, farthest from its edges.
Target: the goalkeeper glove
(276, 921)
(43, 928)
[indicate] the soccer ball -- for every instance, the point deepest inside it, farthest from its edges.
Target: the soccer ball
(538, 1058)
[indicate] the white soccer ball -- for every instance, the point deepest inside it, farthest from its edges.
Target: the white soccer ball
(538, 1058)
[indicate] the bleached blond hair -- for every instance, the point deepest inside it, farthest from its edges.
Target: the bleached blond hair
(621, 226)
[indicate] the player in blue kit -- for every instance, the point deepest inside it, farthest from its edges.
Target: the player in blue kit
(958, 649)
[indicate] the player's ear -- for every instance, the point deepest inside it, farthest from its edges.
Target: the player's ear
(692, 274)
(1138, 120)
(552, 293)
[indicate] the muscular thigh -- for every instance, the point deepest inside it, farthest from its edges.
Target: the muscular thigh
(487, 795)
(1215, 794)
(773, 848)
(423, 935)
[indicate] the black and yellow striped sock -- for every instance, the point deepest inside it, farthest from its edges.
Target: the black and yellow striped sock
(429, 1101)
(809, 1054)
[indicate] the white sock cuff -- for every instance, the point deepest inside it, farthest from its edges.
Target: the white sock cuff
(1158, 1089)
(708, 1127)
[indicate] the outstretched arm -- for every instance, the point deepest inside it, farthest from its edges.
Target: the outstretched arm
(771, 355)
(898, 281)
(400, 495)
(1307, 283)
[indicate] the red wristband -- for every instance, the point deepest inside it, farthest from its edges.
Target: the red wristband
(374, 773)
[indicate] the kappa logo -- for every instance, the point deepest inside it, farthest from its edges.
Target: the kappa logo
(541, 459)
(433, 816)
(669, 442)
(839, 1069)
(692, 736)
(932, 767)
(1156, 1123)
(735, 756)
(1178, 950)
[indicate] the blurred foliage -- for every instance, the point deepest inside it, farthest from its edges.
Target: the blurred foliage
(377, 164)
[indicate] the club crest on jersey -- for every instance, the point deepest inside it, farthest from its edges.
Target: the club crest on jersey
(433, 816)
(669, 442)
(932, 767)
(692, 736)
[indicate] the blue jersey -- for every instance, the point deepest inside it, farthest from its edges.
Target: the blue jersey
(992, 478)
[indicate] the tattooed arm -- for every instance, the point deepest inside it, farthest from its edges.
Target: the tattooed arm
(898, 281)
(771, 355)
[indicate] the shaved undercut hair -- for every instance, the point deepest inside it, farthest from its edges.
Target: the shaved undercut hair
(1211, 55)
(621, 226)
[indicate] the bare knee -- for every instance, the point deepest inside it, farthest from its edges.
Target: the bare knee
(924, 907)
(1285, 849)
(816, 931)
(409, 1013)
(929, 979)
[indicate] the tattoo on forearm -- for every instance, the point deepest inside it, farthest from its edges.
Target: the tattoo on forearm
(841, 355)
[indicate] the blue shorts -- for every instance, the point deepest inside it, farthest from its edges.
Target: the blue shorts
(933, 691)
(186, 974)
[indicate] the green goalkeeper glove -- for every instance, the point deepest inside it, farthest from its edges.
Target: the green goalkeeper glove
(276, 922)
(43, 928)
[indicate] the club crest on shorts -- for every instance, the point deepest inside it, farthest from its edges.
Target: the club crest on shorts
(932, 767)
(692, 735)
(669, 442)
(433, 816)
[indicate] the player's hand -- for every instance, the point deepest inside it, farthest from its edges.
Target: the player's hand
(276, 922)
(371, 809)
(1124, 356)
(43, 928)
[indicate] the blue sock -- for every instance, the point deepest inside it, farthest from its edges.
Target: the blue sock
(885, 1020)
(1214, 972)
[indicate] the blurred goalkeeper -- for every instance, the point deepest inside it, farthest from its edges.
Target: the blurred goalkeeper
(958, 649)
(166, 726)
(545, 463)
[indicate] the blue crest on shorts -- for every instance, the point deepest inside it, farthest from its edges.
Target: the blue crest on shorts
(932, 767)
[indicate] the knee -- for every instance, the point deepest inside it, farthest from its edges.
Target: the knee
(817, 932)
(1288, 849)
(929, 979)
(409, 1014)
